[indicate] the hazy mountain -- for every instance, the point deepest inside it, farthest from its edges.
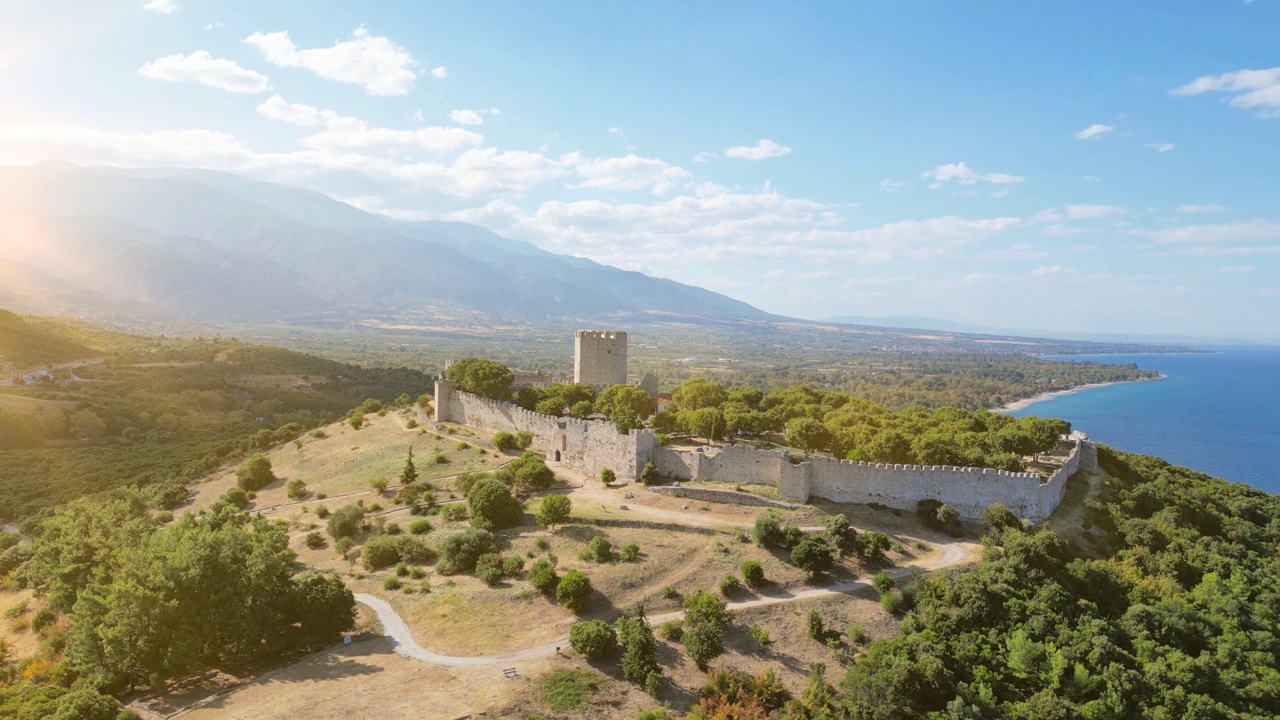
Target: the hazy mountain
(215, 246)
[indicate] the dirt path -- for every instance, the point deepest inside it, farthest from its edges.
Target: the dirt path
(398, 634)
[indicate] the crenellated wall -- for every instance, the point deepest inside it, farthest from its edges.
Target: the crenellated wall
(592, 445)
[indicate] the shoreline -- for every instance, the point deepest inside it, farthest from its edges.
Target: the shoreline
(1026, 402)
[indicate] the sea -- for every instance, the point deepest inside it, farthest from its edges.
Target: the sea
(1217, 412)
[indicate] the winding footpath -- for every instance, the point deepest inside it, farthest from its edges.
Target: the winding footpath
(398, 634)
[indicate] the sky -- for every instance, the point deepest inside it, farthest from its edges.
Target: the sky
(1082, 166)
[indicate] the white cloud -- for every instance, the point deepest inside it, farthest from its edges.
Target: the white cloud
(1093, 131)
(704, 156)
(466, 117)
(439, 73)
(161, 6)
(889, 185)
(963, 174)
(213, 26)
(1044, 270)
(26, 143)
(203, 68)
(1160, 147)
(764, 148)
(1213, 208)
(373, 62)
(1245, 231)
(353, 134)
(617, 131)
(276, 108)
(1093, 212)
(1251, 88)
(1091, 179)
(1000, 193)
(629, 173)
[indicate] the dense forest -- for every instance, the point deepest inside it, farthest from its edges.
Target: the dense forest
(155, 409)
(1164, 603)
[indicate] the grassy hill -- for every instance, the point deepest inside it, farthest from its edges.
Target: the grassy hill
(26, 342)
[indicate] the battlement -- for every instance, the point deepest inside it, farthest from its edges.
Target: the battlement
(601, 334)
(600, 357)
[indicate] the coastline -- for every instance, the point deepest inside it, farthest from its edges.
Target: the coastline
(1022, 404)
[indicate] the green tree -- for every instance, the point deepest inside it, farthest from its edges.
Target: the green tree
(378, 483)
(616, 397)
(649, 475)
(705, 423)
(753, 574)
(697, 394)
(767, 532)
(482, 377)
(492, 506)
(639, 648)
(295, 489)
(542, 575)
(459, 553)
(409, 473)
(812, 555)
(554, 510)
(574, 591)
(593, 639)
(704, 642)
(999, 517)
(255, 474)
(345, 522)
(608, 477)
(808, 434)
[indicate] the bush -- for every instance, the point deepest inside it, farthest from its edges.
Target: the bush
(345, 522)
(872, 546)
(420, 527)
(524, 439)
(417, 573)
(574, 591)
(729, 584)
(891, 602)
(812, 555)
(380, 551)
(649, 475)
(314, 540)
(593, 639)
(655, 714)
(598, 550)
(608, 476)
(999, 517)
(814, 626)
(238, 497)
(543, 576)
(343, 546)
(492, 506)
(491, 576)
(791, 536)
(322, 512)
(44, 617)
(440, 459)
(460, 552)
(554, 510)
(670, 592)
(767, 532)
(453, 513)
(379, 484)
(504, 441)
(753, 573)
(392, 583)
(512, 566)
(857, 635)
(295, 489)
(883, 582)
(629, 552)
(704, 642)
(392, 528)
(255, 473)
(672, 630)
(468, 480)
(760, 635)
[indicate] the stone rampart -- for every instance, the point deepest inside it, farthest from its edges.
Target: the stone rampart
(721, 496)
(589, 446)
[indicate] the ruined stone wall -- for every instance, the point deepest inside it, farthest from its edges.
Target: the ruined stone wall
(587, 446)
(600, 357)
(721, 496)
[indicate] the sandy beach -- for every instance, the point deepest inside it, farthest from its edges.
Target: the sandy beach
(1024, 402)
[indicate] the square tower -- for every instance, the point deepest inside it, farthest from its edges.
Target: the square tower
(600, 357)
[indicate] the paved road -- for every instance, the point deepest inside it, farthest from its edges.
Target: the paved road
(397, 632)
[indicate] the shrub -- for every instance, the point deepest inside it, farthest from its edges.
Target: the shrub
(703, 607)
(791, 536)
(812, 555)
(402, 570)
(238, 497)
(421, 526)
(753, 573)
(411, 423)
(504, 441)
(608, 476)
(654, 714)
(767, 531)
(729, 584)
(322, 512)
(814, 625)
(295, 489)
(468, 480)
(598, 550)
(346, 521)
(542, 543)
(760, 635)
(460, 552)
(392, 583)
(593, 639)
(357, 421)
(670, 592)
(704, 642)
(524, 439)
(492, 506)
(891, 602)
(554, 510)
(872, 546)
(462, 445)
(574, 591)
(453, 513)
(255, 473)
(417, 573)
(543, 576)
(883, 582)
(491, 576)
(649, 474)
(314, 540)
(629, 552)
(379, 484)
(392, 528)
(343, 546)
(440, 459)
(856, 634)
(999, 517)
(379, 551)
(672, 630)
(512, 566)
(565, 689)
(319, 434)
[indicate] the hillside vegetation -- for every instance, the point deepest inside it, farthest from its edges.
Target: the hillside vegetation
(26, 343)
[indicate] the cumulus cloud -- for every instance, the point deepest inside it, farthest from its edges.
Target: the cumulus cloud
(965, 175)
(1093, 131)
(1212, 208)
(373, 62)
(203, 68)
(165, 7)
(1046, 270)
(466, 117)
(277, 108)
(629, 173)
(889, 185)
(1249, 88)
(1093, 212)
(1160, 147)
(764, 148)
(440, 72)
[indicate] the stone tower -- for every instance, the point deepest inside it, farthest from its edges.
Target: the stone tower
(600, 357)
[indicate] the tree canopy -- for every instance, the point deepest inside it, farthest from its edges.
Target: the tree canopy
(482, 377)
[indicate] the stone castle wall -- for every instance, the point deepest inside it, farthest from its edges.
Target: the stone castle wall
(600, 357)
(591, 445)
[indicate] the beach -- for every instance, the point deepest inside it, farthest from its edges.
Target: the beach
(1017, 405)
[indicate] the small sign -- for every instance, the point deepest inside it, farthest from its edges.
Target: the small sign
(346, 639)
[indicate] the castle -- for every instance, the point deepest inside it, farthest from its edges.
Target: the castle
(590, 446)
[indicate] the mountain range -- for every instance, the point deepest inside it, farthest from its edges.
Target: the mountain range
(216, 247)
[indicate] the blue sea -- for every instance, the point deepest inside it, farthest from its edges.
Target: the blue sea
(1217, 412)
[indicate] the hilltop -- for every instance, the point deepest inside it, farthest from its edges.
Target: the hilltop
(26, 342)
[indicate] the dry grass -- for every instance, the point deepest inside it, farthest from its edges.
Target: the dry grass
(345, 460)
(24, 405)
(23, 641)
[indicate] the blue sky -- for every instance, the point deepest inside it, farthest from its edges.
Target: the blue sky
(1075, 166)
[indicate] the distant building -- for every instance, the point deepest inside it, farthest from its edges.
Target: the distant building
(600, 357)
